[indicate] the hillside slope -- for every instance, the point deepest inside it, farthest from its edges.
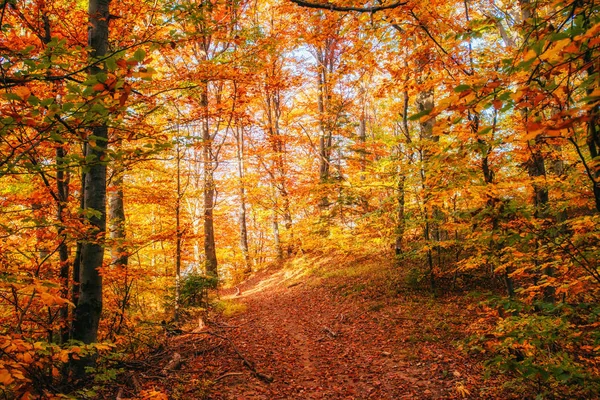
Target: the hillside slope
(334, 332)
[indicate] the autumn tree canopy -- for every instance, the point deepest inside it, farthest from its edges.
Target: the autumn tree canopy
(153, 151)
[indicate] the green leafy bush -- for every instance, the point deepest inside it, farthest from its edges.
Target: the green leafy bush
(195, 288)
(547, 349)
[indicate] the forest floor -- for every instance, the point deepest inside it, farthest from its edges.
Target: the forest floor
(332, 331)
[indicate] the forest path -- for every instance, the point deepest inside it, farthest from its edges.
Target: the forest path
(318, 343)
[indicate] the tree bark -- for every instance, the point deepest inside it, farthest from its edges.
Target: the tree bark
(400, 211)
(118, 237)
(425, 101)
(276, 237)
(89, 306)
(242, 192)
(178, 236)
(279, 176)
(75, 275)
(593, 128)
(210, 252)
(324, 61)
(62, 190)
(401, 224)
(116, 217)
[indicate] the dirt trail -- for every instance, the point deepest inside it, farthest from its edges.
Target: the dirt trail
(318, 344)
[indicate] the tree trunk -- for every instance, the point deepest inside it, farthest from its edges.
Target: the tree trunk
(593, 129)
(401, 223)
(89, 306)
(325, 140)
(118, 236)
(210, 252)
(75, 275)
(242, 189)
(62, 190)
(178, 236)
(362, 137)
(276, 237)
(425, 101)
(116, 217)
(279, 177)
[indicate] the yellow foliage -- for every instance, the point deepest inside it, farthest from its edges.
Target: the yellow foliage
(461, 389)
(5, 377)
(153, 394)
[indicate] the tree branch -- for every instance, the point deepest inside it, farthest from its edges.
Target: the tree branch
(333, 7)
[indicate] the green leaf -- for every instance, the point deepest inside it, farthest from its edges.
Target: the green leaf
(57, 137)
(538, 47)
(416, 116)
(31, 64)
(111, 64)
(11, 96)
(139, 55)
(67, 107)
(101, 77)
(47, 102)
(485, 130)
(462, 88)
(88, 91)
(34, 101)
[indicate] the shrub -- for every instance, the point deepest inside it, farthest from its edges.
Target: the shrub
(195, 288)
(546, 349)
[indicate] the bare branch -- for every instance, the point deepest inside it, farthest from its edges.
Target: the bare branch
(333, 7)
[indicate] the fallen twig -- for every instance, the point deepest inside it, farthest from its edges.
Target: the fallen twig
(330, 332)
(136, 383)
(227, 375)
(248, 364)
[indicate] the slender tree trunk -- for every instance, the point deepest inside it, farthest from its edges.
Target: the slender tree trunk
(276, 237)
(61, 197)
(75, 276)
(400, 211)
(62, 190)
(537, 171)
(116, 217)
(89, 306)
(593, 127)
(273, 107)
(210, 252)
(536, 164)
(242, 192)
(401, 224)
(362, 137)
(178, 236)
(118, 236)
(425, 101)
(325, 140)
(593, 144)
